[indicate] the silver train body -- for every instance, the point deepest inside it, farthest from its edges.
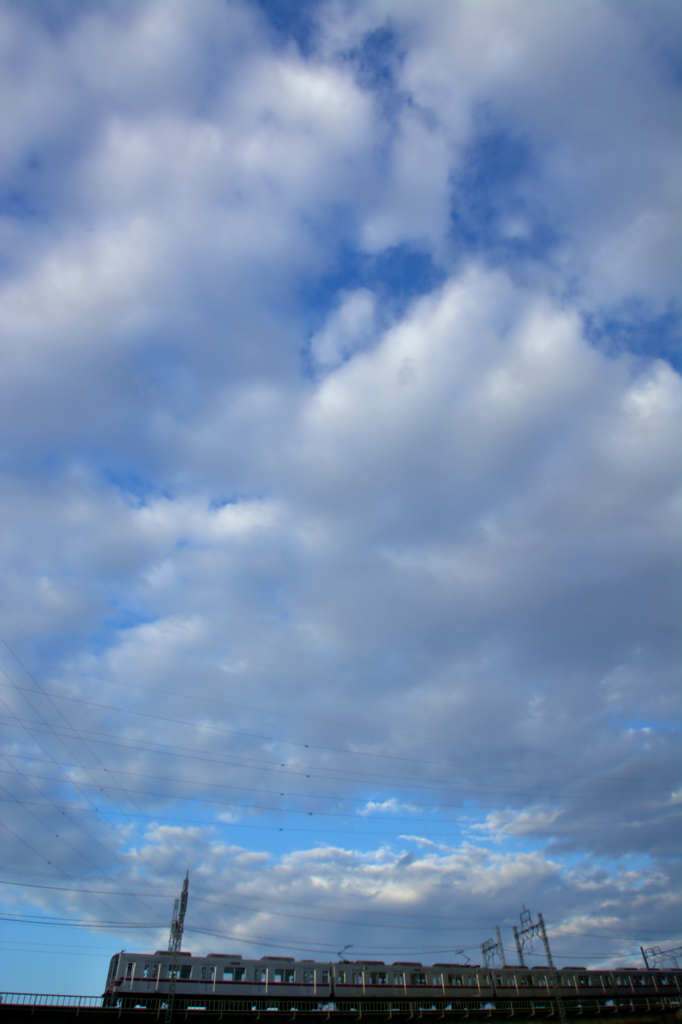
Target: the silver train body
(279, 981)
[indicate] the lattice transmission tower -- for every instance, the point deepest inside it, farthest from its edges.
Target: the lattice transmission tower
(174, 943)
(528, 929)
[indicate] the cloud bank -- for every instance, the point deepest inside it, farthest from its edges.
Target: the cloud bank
(341, 419)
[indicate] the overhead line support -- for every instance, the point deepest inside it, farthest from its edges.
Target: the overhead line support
(174, 944)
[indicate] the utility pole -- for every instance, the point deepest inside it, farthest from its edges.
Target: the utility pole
(174, 943)
(529, 929)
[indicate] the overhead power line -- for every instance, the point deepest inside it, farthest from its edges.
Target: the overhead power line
(260, 711)
(312, 746)
(322, 919)
(242, 823)
(300, 771)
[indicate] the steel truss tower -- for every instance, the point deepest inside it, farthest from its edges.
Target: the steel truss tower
(528, 930)
(490, 948)
(174, 943)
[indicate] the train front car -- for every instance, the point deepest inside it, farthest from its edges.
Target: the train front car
(108, 996)
(143, 979)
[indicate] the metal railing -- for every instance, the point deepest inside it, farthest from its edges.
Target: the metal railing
(43, 999)
(412, 1008)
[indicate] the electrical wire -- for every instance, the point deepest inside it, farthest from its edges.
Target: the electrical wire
(279, 943)
(325, 919)
(317, 771)
(293, 811)
(299, 771)
(313, 746)
(63, 839)
(336, 724)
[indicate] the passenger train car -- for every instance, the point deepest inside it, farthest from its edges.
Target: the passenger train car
(275, 982)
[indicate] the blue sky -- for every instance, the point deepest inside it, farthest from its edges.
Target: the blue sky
(341, 498)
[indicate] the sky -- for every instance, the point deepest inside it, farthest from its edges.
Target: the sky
(340, 479)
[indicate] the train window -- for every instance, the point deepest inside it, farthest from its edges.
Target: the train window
(309, 977)
(398, 978)
(259, 975)
(150, 971)
(454, 979)
(129, 970)
(173, 972)
(472, 980)
(185, 972)
(417, 979)
(278, 977)
(357, 978)
(340, 977)
(207, 972)
(288, 977)
(377, 977)
(583, 980)
(325, 977)
(239, 973)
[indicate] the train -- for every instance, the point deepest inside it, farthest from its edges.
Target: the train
(281, 982)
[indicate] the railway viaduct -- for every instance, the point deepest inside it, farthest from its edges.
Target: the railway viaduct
(18, 1008)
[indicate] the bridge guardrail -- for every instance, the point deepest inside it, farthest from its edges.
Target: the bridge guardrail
(245, 1009)
(45, 999)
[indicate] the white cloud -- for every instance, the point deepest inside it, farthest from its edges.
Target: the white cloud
(299, 544)
(386, 806)
(348, 329)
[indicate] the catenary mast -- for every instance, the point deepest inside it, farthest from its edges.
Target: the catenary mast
(174, 943)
